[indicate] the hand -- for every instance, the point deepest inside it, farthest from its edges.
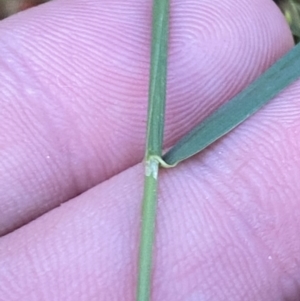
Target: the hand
(74, 80)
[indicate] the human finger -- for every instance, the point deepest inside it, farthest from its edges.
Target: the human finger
(75, 77)
(227, 226)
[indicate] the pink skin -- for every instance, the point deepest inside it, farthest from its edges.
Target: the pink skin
(74, 78)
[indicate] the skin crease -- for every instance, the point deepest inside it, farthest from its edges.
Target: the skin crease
(73, 109)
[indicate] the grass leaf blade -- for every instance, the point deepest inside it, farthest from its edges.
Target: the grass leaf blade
(279, 76)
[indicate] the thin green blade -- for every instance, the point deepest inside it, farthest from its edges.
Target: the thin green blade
(280, 75)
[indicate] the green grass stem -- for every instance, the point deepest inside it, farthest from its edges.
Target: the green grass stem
(155, 130)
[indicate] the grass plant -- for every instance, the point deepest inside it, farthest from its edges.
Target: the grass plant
(279, 76)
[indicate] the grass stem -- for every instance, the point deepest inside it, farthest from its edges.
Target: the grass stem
(155, 129)
(147, 231)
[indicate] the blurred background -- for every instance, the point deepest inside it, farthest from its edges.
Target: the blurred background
(9, 7)
(290, 9)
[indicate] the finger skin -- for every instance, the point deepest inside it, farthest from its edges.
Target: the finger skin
(227, 227)
(74, 78)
